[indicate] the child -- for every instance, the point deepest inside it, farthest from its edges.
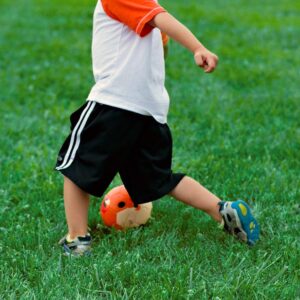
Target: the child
(123, 125)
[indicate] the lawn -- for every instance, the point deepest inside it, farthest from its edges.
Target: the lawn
(237, 131)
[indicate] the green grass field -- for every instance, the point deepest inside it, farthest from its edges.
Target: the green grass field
(237, 131)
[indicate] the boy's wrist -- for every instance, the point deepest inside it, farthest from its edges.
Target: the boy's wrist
(199, 49)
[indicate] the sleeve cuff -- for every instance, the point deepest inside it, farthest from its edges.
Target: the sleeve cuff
(143, 28)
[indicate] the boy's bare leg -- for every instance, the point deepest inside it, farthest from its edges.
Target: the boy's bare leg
(76, 207)
(194, 194)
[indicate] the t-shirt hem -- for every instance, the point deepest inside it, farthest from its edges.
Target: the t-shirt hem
(130, 107)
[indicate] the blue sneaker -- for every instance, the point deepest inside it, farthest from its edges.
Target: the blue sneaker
(239, 221)
(81, 246)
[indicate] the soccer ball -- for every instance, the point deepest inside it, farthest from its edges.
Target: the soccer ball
(117, 210)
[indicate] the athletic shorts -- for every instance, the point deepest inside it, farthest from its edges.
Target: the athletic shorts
(106, 140)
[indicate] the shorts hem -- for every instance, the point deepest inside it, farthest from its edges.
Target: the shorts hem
(76, 181)
(163, 191)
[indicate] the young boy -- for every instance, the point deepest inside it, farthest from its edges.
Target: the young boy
(123, 125)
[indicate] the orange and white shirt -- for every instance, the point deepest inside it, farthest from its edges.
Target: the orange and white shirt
(128, 61)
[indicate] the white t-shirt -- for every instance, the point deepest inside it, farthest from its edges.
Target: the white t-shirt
(128, 61)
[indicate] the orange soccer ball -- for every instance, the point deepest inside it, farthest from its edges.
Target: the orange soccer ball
(117, 210)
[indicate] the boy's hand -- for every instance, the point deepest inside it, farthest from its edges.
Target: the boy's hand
(206, 59)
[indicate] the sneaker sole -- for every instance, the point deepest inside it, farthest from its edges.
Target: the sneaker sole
(248, 223)
(74, 253)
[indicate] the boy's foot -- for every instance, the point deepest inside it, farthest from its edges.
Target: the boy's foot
(239, 221)
(80, 246)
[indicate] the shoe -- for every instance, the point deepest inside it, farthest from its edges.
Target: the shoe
(81, 246)
(239, 221)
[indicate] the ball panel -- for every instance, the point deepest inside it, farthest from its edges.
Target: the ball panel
(134, 217)
(117, 210)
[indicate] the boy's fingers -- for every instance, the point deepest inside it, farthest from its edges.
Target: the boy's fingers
(209, 68)
(199, 60)
(208, 61)
(211, 64)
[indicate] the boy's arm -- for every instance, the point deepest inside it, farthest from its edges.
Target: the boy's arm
(177, 31)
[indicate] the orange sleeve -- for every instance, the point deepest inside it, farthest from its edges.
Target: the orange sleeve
(134, 13)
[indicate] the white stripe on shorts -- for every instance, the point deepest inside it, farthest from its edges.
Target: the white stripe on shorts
(75, 137)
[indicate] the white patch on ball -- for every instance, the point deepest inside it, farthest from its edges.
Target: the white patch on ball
(134, 217)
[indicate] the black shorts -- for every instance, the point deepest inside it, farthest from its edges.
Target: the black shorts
(105, 140)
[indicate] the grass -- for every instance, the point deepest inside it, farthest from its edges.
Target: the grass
(236, 131)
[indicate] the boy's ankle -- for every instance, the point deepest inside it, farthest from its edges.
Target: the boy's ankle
(215, 214)
(73, 236)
